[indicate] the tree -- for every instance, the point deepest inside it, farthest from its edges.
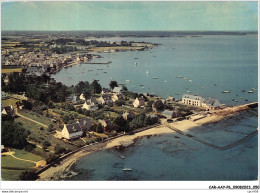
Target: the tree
(124, 88)
(87, 94)
(28, 176)
(95, 87)
(158, 105)
(46, 144)
(120, 121)
(100, 128)
(50, 158)
(50, 128)
(81, 87)
(120, 102)
(113, 84)
(14, 135)
(58, 149)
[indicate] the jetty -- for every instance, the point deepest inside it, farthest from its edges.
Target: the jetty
(98, 62)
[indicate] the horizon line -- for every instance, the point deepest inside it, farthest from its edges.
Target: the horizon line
(134, 30)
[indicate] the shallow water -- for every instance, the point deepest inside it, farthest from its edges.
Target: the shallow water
(177, 157)
(213, 63)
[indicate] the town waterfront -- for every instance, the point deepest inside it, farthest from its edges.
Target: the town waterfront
(211, 64)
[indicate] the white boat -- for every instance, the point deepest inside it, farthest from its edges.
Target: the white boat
(127, 169)
(253, 88)
(123, 157)
(147, 72)
(226, 91)
(155, 77)
(136, 64)
(128, 80)
(250, 91)
(190, 80)
(165, 81)
(188, 91)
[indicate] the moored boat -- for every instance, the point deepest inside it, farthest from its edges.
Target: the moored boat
(127, 169)
(226, 91)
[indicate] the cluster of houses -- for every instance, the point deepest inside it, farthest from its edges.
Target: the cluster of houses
(107, 97)
(208, 104)
(40, 60)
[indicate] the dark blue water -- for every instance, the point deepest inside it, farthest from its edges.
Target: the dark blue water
(213, 63)
(165, 157)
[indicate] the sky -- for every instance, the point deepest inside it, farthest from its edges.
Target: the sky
(130, 16)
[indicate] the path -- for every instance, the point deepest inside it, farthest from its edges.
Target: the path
(11, 153)
(30, 119)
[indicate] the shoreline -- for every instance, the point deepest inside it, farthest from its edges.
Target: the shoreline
(56, 173)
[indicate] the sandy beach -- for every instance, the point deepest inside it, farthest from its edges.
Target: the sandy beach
(63, 169)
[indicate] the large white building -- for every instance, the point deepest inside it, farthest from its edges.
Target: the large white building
(194, 100)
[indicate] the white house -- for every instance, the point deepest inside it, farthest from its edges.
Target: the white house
(211, 104)
(81, 97)
(105, 99)
(139, 102)
(128, 115)
(8, 110)
(71, 131)
(105, 91)
(117, 97)
(117, 90)
(4, 95)
(91, 106)
(192, 100)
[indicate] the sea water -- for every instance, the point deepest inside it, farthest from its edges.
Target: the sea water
(213, 63)
(178, 157)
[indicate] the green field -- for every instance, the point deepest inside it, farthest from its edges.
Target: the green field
(38, 136)
(10, 101)
(11, 167)
(35, 116)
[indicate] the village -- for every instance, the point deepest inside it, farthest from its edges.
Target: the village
(44, 121)
(86, 114)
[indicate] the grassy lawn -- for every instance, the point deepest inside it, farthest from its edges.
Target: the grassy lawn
(38, 136)
(35, 116)
(10, 101)
(16, 167)
(129, 108)
(10, 70)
